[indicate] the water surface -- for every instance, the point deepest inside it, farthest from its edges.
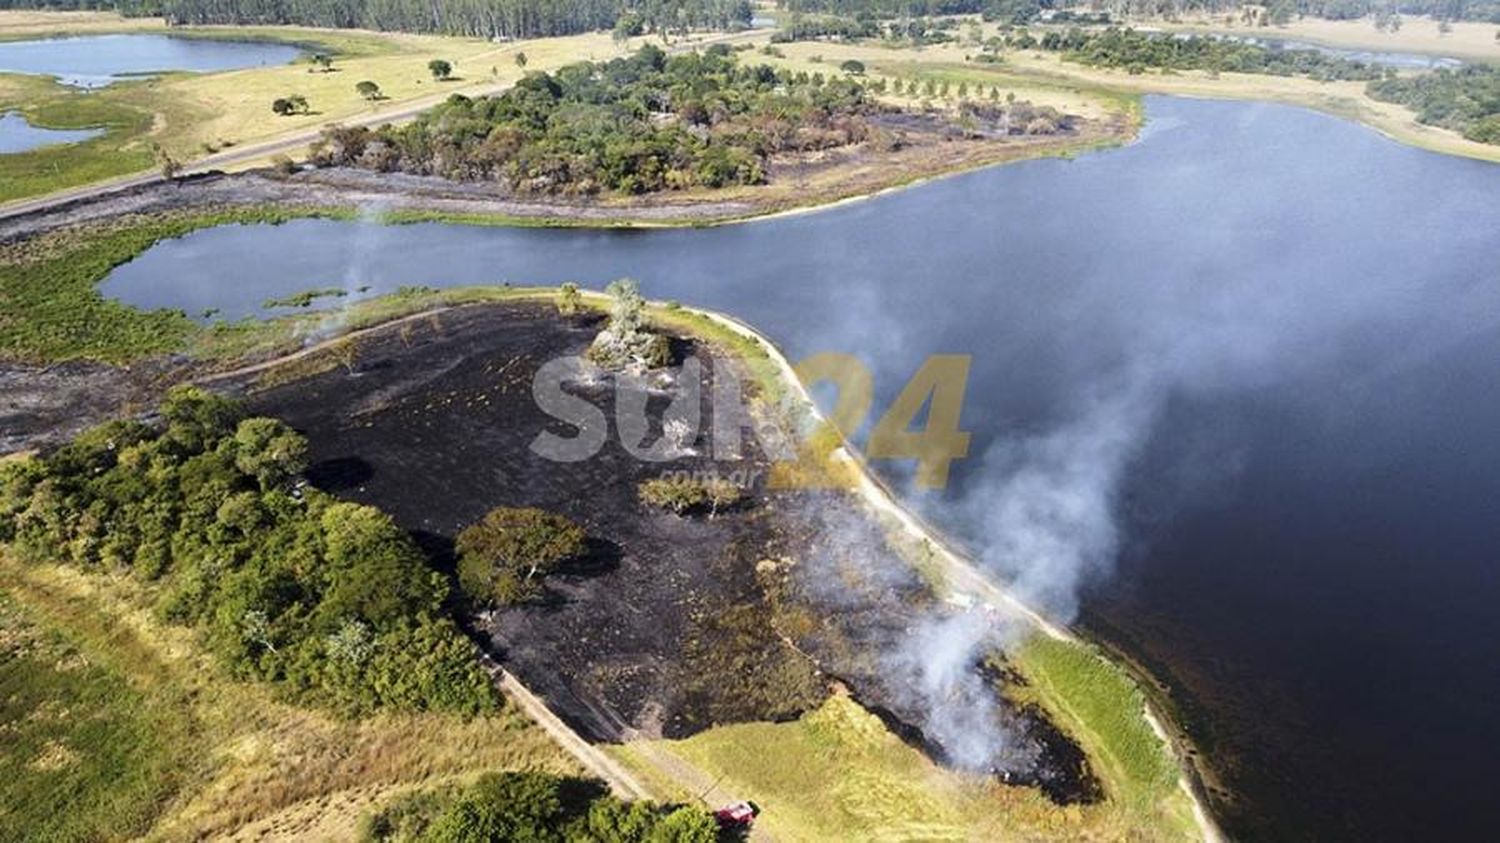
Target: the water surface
(1235, 386)
(93, 61)
(18, 135)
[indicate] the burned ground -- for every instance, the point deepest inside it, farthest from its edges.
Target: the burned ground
(670, 624)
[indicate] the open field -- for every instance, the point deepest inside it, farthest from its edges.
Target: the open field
(179, 751)
(194, 116)
(838, 774)
(1468, 40)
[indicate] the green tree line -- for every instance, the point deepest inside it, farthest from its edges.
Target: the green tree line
(1137, 51)
(533, 807)
(329, 600)
(631, 125)
(1466, 100)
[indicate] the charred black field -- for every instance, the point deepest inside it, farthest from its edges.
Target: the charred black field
(669, 624)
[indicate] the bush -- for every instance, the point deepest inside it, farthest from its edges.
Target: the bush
(504, 557)
(681, 494)
(537, 807)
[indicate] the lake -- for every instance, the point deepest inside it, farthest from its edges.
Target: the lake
(17, 135)
(1234, 399)
(94, 61)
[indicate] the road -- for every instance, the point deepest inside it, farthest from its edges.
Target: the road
(298, 141)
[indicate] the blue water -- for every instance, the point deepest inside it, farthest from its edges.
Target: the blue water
(17, 135)
(97, 60)
(1265, 342)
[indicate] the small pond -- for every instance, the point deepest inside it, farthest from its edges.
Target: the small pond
(18, 135)
(94, 61)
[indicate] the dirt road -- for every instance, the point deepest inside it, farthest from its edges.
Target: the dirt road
(299, 140)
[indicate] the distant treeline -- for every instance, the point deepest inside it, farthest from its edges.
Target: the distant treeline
(479, 18)
(128, 8)
(1466, 100)
(1138, 51)
(1020, 11)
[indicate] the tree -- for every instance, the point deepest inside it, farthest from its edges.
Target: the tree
(168, 166)
(197, 418)
(375, 572)
(269, 451)
(853, 66)
(289, 105)
(502, 558)
(569, 300)
(721, 493)
(441, 69)
(346, 351)
(323, 62)
(625, 342)
(367, 89)
(521, 60)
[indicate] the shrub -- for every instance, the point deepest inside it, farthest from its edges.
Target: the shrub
(537, 807)
(569, 300)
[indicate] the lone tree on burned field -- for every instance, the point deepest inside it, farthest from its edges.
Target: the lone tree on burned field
(569, 299)
(504, 557)
(626, 343)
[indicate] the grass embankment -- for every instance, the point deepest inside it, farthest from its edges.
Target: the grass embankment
(839, 774)
(195, 115)
(127, 728)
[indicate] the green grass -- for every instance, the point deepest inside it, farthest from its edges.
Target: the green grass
(839, 774)
(1101, 707)
(50, 306)
(93, 757)
(47, 104)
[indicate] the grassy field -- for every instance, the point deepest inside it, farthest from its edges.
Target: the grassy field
(1467, 40)
(127, 727)
(195, 115)
(94, 754)
(839, 774)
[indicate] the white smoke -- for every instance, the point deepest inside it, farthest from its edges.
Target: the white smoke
(1046, 504)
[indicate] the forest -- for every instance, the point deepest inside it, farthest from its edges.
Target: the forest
(1466, 100)
(1137, 51)
(631, 125)
(477, 18)
(330, 601)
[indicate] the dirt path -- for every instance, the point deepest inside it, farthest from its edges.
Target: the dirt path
(621, 781)
(295, 141)
(706, 789)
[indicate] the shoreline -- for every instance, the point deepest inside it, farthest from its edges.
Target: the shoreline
(412, 199)
(873, 492)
